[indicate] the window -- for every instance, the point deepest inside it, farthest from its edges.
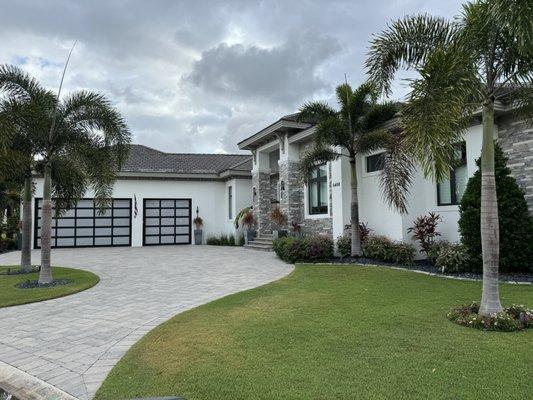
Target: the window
(375, 162)
(450, 191)
(230, 203)
(318, 191)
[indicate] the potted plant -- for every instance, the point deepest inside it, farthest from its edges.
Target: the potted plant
(198, 232)
(280, 221)
(248, 222)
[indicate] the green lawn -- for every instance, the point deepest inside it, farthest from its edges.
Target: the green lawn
(331, 332)
(11, 296)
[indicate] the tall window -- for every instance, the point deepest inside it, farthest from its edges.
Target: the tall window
(375, 162)
(230, 202)
(450, 191)
(318, 190)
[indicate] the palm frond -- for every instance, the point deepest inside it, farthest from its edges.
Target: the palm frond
(333, 131)
(397, 173)
(439, 109)
(373, 141)
(517, 17)
(17, 83)
(378, 114)
(315, 111)
(317, 155)
(405, 43)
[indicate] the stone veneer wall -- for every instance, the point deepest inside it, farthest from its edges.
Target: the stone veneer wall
(516, 140)
(292, 202)
(261, 201)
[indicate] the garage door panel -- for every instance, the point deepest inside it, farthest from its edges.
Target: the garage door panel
(84, 225)
(167, 221)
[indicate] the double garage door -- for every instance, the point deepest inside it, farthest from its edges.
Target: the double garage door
(166, 221)
(86, 226)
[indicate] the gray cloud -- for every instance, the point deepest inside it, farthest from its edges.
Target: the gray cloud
(282, 74)
(200, 76)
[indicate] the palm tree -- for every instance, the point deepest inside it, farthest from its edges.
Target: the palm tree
(483, 56)
(82, 142)
(355, 130)
(22, 122)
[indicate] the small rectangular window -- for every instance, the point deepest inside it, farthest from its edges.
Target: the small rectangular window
(230, 203)
(450, 191)
(318, 190)
(375, 162)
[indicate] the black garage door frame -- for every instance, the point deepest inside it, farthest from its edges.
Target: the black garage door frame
(160, 225)
(111, 207)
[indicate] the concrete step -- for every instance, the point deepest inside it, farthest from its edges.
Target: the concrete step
(263, 241)
(256, 246)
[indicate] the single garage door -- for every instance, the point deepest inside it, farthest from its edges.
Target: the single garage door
(166, 221)
(85, 226)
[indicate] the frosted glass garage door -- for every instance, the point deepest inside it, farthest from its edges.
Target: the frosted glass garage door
(167, 221)
(87, 226)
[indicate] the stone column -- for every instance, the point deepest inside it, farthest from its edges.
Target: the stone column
(261, 191)
(291, 186)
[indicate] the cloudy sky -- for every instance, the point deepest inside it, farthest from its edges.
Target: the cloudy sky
(201, 75)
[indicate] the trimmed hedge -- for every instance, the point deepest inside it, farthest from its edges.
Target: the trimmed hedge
(516, 225)
(308, 249)
(384, 249)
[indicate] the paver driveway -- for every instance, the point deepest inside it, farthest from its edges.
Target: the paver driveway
(73, 342)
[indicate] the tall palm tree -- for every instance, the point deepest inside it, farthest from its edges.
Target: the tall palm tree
(22, 122)
(356, 129)
(82, 142)
(483, 56)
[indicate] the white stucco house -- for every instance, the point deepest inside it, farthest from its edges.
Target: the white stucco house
(158, 194)
(155, 199)
(321, 203)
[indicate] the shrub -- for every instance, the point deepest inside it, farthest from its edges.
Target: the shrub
(511, 319)
(344, 243)
(308, 249)
(435, 249)
(344, 246)
(384, 249)
(317, 248)
(452, 257)
(7, 244)
(222, 240)
(424, 230)
(248, 220)
(516, 225)
(241, 240)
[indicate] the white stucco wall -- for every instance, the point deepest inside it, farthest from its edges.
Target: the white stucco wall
(209, 196)
(382, 219)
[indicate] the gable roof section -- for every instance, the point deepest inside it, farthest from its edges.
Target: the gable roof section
(146, 160)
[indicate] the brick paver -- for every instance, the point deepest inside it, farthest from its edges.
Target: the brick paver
(73, 342)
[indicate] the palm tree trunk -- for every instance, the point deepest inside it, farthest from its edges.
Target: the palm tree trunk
(25, 256)
(354, 216)
(490, 299)
(45, 276)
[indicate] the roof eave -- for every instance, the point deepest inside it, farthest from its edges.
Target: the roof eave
(254, 140)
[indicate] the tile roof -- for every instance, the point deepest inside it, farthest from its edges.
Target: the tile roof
(146, 159)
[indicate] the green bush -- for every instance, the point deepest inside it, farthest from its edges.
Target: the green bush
(222, 240)
(384, 249)
(452, 258)
(241, 240)
(516, 225)
(7, 244)
(344, 246)
(307, 249)
(435, 250)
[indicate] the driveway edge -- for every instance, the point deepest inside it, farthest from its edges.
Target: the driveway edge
(27, 387)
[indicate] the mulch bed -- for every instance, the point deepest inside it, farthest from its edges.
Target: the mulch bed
(35, 284)
(424, 265)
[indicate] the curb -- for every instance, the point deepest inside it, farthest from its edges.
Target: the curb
(27, 387)
(418, 271)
